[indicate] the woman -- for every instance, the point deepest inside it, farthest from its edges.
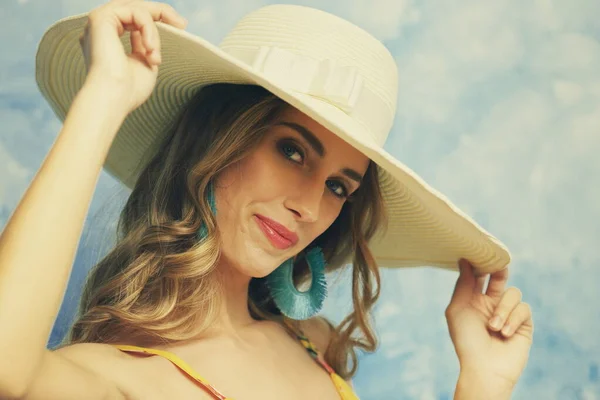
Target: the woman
(269, 176)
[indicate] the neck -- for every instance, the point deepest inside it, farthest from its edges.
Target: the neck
(233, 314)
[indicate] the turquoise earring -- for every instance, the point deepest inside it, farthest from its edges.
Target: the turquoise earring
(291, 302)
(203, 232)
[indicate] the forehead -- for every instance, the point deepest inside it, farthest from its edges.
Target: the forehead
(335, 147)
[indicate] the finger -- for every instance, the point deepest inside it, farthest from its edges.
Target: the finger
(141, 15)
(479, 284)
(519, 316)
(84, 50)
(165, 13)
(143, 21)
(150, 36)
(497, 283)
(137, 18)
(510, 299)
(137, 45)
(465, 284)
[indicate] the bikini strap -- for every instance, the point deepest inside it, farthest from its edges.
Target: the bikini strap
(341, 385)
(343, 388)
(308, 345)
(179, 363)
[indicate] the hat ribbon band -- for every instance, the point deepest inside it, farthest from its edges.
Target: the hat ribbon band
(325, 79)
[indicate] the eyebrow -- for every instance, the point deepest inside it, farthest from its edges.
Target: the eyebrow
(318, 148)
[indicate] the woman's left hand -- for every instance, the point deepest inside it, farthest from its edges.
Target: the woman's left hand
(494, 354)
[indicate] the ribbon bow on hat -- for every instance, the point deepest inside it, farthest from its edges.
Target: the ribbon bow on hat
(324, 79)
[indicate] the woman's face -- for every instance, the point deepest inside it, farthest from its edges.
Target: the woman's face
(287, 192)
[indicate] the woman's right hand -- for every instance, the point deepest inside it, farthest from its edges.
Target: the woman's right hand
(133, 75)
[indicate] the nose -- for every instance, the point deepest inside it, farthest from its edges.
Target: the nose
(305, 200)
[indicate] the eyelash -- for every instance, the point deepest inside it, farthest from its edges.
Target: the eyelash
(283, 145)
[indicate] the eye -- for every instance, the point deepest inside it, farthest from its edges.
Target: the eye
(337, 188)
(294, 153)
(291, 151)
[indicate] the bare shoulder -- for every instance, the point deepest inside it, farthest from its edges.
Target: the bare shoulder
(319, 330)
(134, 375)
(85, 353)
(103, 360)
(90, 348)
(90, 371)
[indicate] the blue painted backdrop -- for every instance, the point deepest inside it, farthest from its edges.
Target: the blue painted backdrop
(499, 108)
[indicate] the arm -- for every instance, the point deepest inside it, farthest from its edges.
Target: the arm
(81, 371)
(471, 386)
(38, 245)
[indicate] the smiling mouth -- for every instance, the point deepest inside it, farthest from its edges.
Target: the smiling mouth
(279, 236)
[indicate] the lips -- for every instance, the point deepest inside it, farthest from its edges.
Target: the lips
(278, 235)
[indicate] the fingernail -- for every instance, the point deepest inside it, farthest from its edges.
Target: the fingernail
(496, 322)
(506, 330)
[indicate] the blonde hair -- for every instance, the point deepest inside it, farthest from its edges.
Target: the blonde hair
(158, 285)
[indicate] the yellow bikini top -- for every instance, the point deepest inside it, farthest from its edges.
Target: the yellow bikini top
(344, 390)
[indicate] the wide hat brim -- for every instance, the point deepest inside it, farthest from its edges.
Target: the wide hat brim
(424, 227)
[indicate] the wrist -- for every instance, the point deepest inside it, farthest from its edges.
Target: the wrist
(474, 385)
(94, 118)
(110, 96)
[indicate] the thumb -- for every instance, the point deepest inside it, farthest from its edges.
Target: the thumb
(465, 284)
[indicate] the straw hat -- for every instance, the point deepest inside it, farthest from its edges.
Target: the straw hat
(326, 67)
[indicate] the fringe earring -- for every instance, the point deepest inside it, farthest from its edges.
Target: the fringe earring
(203, 232)
(291, 302)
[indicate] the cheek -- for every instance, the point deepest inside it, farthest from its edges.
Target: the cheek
(262, 182)
(247, 180)
(233, 190)
(251, 186)
(263, 177)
